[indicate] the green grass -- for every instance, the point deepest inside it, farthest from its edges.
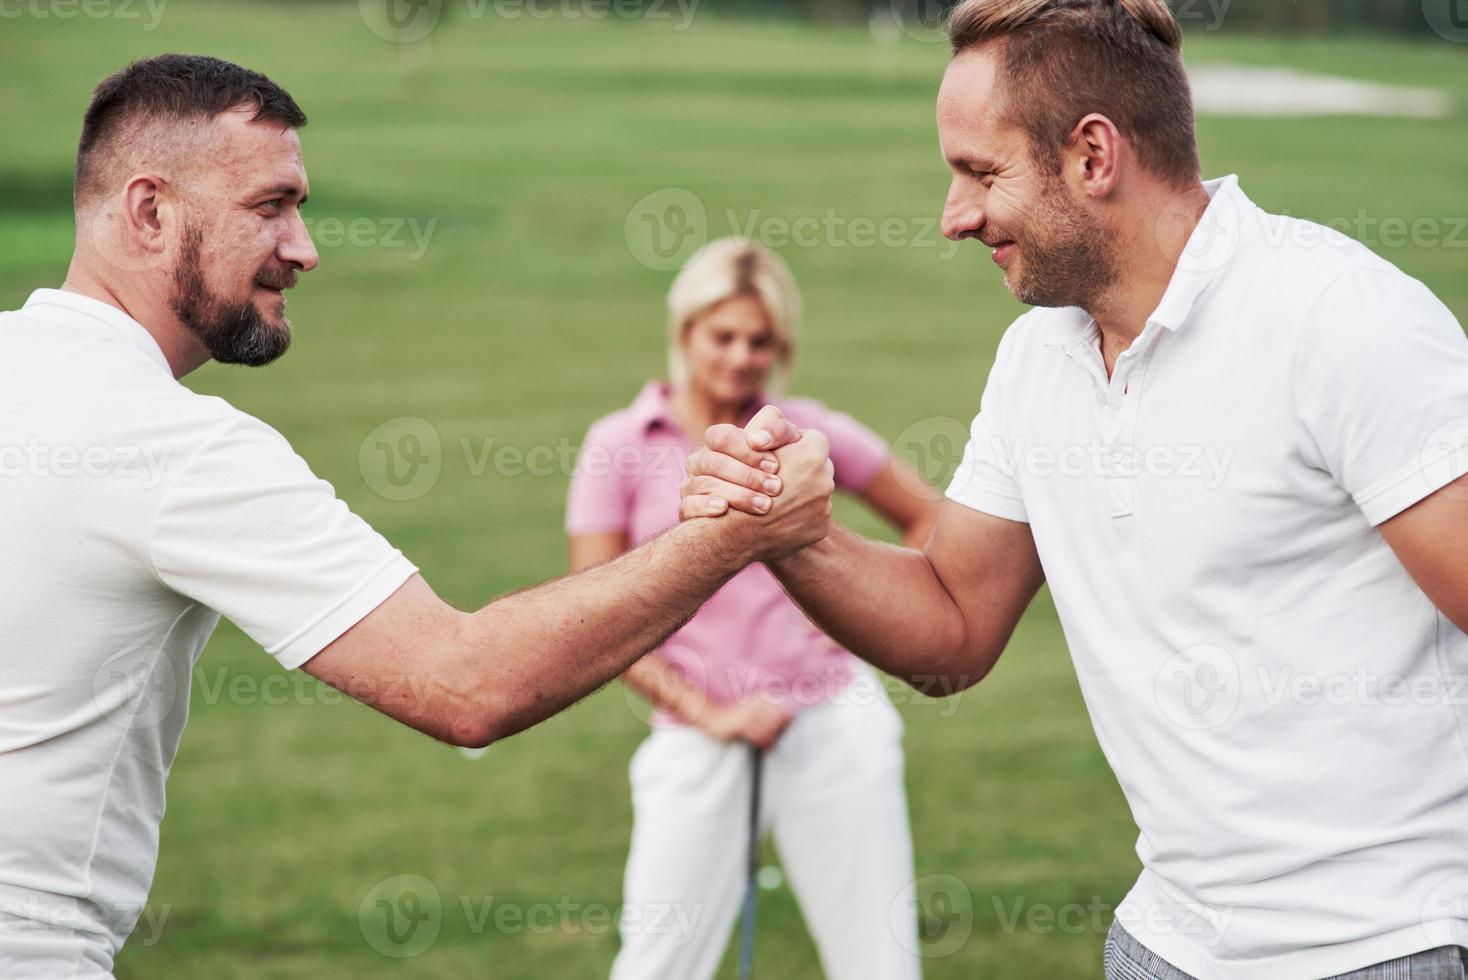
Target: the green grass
(526, 317)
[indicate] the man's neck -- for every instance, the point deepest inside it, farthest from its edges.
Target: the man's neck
(182, 351)
(1148, 252)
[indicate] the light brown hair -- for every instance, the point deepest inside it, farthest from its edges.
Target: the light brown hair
(1063, 59)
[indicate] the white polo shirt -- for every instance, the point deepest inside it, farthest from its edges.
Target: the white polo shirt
(136, 512)
(1285, 710)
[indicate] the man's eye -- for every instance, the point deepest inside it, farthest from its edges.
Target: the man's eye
(273, 203)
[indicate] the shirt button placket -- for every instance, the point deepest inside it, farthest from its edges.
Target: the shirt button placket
(1121, 428)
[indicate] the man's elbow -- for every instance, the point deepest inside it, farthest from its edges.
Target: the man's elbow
(472, 733)
(945, 683)
(953, 672)
(472, 713)
(489, 713)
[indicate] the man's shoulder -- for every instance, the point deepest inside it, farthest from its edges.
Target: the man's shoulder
(97, 389)
(1311, 272)
(1302, 255)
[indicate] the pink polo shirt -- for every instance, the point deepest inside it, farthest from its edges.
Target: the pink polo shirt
(749, 638)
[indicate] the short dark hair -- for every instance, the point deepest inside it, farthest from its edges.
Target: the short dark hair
(1063, 59)
(174, 86)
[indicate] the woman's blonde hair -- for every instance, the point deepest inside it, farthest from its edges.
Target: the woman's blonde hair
(720, 271)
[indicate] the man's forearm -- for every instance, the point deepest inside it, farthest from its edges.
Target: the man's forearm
(887, 605)
(535, 652)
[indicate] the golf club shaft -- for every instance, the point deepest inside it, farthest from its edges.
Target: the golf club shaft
(746, 932)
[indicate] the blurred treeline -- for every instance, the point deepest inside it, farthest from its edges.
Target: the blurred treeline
(1268, 16)
(1273, 17)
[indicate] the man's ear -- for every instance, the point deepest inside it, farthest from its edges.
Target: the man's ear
(144, 213)
(1094, 155)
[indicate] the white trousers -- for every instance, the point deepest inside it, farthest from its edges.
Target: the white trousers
(832, 793)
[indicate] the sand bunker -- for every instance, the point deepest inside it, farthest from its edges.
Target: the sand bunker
(1246, 90)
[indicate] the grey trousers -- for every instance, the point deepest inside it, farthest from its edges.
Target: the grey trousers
(1127, 959)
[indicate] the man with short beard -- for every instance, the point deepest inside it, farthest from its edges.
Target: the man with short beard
(136, 512)
(1234, 444)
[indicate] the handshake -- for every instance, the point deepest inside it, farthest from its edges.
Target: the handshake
(770, 481)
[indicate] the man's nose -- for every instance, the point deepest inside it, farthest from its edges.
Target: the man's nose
(297, 247)
(963, 212)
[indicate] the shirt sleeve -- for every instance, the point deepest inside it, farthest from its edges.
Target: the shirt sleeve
(600, 496)
(245, 528)
(983, 481)
(857, 453)
(1381, 388)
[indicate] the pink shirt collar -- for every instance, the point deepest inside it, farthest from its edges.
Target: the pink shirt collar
(650, 409)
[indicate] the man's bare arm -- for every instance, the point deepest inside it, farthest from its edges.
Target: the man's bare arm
(1428, 540)
(473, 678)
(937, 618)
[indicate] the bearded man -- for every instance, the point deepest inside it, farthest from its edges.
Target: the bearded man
(189, 185)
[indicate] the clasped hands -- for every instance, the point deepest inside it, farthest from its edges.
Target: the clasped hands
(771, 481)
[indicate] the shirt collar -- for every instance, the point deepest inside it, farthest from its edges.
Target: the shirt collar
(1210, 247)
(650, 409)
(1208, 251)
(95, 309)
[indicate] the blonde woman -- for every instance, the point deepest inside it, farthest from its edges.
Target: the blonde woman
(750, 669)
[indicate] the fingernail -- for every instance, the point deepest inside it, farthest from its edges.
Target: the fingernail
(772, 486)
(769, 465)
(762, 439)
(761, 504)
